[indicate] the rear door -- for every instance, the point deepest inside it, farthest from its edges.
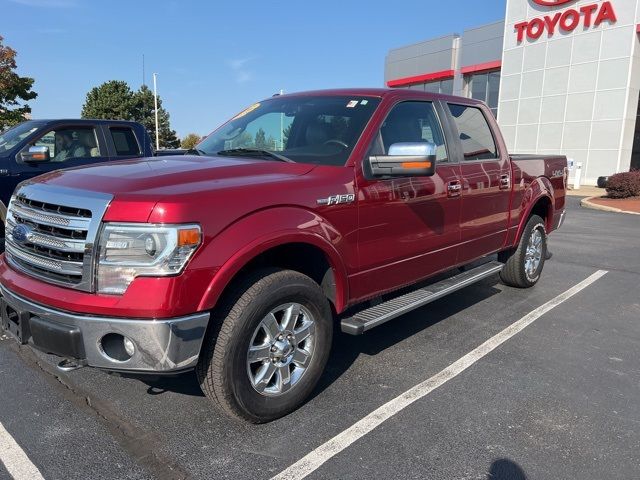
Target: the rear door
(485, 181)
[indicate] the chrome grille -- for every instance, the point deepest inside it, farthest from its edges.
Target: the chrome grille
(55, 240)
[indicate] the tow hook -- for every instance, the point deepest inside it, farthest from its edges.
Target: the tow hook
(71, 364)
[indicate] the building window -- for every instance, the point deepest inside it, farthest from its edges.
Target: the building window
(485, 87)
(439, 86)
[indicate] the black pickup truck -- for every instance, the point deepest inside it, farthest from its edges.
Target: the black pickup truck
(35, 147)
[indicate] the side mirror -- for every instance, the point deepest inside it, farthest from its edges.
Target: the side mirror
(36, 154)
(406, 159)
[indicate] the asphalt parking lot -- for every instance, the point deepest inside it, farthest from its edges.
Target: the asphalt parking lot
(560, 399)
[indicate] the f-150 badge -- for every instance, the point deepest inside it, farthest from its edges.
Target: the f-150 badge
(337, 199)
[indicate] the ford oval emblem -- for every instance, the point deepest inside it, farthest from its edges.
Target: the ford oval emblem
(20, 234)
(552, 3)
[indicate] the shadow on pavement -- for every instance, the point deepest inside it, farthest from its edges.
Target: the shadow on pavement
(183, 384)
(505, 469)
(347, 348)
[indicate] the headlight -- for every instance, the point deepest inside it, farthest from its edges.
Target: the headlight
(130, 250)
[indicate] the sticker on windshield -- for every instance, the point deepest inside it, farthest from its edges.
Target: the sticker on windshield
(352, 103)
(364, 102)
(247, 110)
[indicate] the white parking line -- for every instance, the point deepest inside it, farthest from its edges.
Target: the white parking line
(324, 452)
(15, 460)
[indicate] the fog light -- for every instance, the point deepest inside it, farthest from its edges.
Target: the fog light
(117, 347)
(129, 347)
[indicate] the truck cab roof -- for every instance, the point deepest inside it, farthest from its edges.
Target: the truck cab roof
(385, 92)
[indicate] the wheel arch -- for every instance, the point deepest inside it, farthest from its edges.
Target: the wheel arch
(539, 201)
(304, 251)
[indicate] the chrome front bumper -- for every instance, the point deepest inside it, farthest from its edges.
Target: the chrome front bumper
(161, 346)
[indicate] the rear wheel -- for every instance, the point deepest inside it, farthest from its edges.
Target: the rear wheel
(270, 348)
(523, 266)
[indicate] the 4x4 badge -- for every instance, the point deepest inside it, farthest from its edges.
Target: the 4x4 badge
(337, 199)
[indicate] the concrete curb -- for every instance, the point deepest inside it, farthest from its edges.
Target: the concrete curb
(594, 206)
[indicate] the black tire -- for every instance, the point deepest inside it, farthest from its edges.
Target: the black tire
(514, 273)
(222, 369)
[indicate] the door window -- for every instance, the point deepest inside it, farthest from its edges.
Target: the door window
(475, 134)
(125, 141)
(70, 143)
(411, 122)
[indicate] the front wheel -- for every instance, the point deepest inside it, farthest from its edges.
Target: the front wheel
(270, 346)
(523, 266)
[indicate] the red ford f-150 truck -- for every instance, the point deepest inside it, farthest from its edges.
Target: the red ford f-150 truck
(240, 261)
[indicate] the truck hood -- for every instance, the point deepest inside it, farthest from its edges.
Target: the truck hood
(138, 185)
(166, 176)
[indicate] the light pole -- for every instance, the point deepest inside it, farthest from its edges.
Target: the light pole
(155, 101)
(281, 126)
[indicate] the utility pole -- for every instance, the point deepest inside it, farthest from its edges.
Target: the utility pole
(155, 101)
(281, 126)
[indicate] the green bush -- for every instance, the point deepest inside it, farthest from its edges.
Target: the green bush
(624, 185)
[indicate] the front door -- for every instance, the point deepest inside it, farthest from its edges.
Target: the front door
(408, 226)
(486, 184)
(69, 146)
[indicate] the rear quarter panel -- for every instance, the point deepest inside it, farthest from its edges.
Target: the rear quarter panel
(535, 177)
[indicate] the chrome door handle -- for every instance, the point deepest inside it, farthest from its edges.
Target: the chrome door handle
(454, 188)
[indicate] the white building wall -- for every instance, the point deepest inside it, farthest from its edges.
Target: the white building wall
(573, 93)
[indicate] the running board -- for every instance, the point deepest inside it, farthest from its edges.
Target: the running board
(383, 312)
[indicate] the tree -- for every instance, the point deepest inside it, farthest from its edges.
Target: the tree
(286, 133)
(144, 112)
(244, 140)
(112, 100)
(13, 89)
(116, 101)
(190, 141)
(261, 140)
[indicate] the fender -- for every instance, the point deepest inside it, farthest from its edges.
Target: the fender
(539, 188)
(261, 231)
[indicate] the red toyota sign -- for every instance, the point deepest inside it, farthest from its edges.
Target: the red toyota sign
(552, 3)
(567, 20)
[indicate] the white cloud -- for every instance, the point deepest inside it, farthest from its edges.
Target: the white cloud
(242, 77)
(242, 74)
(239, 63)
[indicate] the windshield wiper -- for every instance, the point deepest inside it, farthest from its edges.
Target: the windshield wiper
(256, 152)
(195, 151)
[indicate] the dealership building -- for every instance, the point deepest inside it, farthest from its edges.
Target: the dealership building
(562, 76)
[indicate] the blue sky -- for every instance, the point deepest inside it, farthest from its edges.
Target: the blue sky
(215, 58)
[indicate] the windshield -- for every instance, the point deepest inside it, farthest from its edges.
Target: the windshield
(11, 137)
(308, 129)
